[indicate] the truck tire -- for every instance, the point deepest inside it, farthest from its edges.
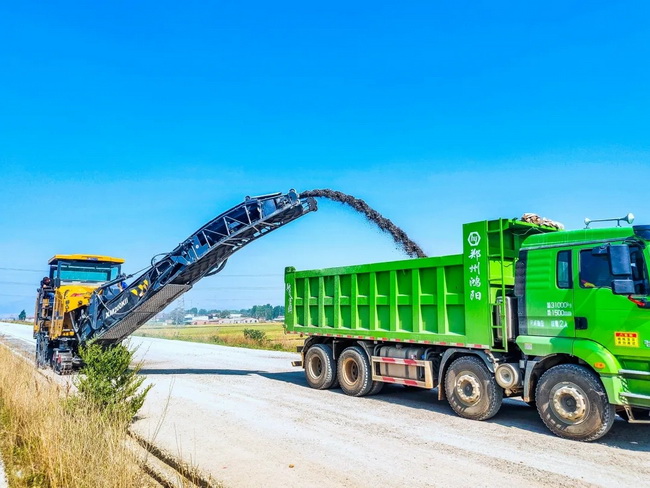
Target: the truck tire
(573, 404)
(377, 386)
(320, 367)
(472, 391)
(354, 372)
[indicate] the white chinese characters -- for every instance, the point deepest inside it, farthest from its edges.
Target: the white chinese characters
(475, 267)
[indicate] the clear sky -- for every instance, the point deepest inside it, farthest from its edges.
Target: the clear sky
(124, 126)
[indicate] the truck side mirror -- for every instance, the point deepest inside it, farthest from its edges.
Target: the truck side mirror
(619, 260)
(623, 287)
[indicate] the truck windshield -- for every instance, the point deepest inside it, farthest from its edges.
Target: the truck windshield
(595, 270)
(88, 272)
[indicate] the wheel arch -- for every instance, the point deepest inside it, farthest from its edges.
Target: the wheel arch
(538, 366)
(312, 341)
(451, 355)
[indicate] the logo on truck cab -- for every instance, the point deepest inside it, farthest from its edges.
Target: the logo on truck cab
(474, 238)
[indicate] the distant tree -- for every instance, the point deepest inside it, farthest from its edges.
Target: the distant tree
(278, 310)
(262, 312)
(177, 315)
(22, 315)
(193, 311)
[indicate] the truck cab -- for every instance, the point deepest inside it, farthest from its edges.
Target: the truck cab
(83, 269)
(582, 298)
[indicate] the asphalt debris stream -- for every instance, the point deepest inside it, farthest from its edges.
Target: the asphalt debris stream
(400, 237)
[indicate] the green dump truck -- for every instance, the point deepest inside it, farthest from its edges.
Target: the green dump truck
(559, 318)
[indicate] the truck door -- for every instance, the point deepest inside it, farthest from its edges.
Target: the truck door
(549, 293)
(601, 316)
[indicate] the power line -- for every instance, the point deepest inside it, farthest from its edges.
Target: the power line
(22, 269)
(224, 275)
(273, 275)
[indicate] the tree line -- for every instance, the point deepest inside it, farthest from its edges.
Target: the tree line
(261, 312)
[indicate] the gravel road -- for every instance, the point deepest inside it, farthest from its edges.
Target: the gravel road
(248, 418)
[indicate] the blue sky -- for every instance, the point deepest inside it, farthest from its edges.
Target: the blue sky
(124, 127)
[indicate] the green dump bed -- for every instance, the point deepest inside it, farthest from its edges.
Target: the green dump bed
(448, 300)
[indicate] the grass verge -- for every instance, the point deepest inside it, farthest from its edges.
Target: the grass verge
(272, 339)
(45, 443)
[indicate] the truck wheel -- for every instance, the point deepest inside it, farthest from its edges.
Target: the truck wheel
(471, 389)
(573, 404)
(354, 373)
(377, 386)
(320, 367)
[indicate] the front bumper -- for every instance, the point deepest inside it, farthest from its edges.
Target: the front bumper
(629, 388)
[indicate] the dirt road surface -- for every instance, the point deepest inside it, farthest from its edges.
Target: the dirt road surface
(248, 418)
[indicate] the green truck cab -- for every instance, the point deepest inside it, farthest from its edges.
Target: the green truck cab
(559, 318)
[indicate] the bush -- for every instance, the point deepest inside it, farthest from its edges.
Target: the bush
(255, 335)
(108, 383)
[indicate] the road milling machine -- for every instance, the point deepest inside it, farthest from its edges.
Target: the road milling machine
(88, 298)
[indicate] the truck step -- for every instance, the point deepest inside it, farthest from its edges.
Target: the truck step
(631, 419)
(631, 372)
(637, 396)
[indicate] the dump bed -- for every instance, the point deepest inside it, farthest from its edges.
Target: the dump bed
(448, 300)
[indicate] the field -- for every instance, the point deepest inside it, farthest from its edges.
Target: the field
(270, 337)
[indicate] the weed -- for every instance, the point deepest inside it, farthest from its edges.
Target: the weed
(255, 335)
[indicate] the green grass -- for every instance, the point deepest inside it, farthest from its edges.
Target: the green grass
(227, 335)
(21, 322)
